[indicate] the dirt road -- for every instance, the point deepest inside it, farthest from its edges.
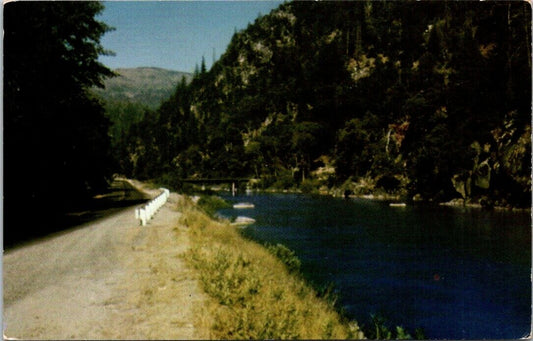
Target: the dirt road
(108, 279)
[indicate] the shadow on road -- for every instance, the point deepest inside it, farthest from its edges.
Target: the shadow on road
(119, 196)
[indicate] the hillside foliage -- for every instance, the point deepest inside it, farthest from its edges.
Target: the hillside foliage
(128, 96)
(416, 98)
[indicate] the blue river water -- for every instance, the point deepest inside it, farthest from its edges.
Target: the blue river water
(456, 273)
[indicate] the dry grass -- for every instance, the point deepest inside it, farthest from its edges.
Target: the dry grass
(253, 294)
(161, 292)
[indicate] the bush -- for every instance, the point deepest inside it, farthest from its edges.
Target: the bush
(170, 181)
(388, 183)
(211, 204)
(287, 257)
(310, 186)
(379, 328)
(284, 181)
(328, 293)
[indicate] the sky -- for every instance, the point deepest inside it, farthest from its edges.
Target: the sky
(174, 35)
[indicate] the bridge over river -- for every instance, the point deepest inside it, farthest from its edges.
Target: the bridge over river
(205, 181)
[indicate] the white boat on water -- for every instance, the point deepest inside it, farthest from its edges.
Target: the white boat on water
(397, 204)
(242, 221)
(242, 205)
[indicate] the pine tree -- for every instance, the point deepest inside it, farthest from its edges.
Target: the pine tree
(56, 143)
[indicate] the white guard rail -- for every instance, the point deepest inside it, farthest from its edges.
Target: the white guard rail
(147, 211)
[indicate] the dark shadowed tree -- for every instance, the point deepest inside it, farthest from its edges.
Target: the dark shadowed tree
(55, 143)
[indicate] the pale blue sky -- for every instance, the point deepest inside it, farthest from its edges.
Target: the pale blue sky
(174, 34)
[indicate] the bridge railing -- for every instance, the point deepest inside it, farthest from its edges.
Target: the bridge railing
(146, 212)
(232, 181)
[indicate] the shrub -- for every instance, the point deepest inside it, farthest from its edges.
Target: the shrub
(287, 257)
(328, 293)
(285, 180)
(170, 181)
(379, 328)
(211, 204)
(388, 183)
(309, 186)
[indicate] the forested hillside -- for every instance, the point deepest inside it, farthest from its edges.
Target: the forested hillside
(129, 94)
(431, 99)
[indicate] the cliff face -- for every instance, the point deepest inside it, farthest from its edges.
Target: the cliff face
(403, 90)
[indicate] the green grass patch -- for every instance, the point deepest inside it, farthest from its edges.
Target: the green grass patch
(211, 204)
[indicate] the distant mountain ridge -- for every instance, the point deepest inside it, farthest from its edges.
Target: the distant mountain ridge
(142, 85)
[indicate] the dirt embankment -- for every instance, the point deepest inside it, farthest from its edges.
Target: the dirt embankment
(107, 279)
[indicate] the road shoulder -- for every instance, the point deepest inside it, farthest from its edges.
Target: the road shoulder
(110, 279)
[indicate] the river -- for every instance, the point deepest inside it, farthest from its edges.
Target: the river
(454, 272)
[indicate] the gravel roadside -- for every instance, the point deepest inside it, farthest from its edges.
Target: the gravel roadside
(108, 279)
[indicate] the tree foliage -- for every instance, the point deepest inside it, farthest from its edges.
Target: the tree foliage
(55, 142)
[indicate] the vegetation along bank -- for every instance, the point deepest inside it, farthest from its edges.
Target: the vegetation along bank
(254, 295)
(258, 292)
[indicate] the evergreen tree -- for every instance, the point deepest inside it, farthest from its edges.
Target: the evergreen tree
(56, 144)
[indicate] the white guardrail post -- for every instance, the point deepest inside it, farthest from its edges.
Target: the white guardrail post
(146, 212)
